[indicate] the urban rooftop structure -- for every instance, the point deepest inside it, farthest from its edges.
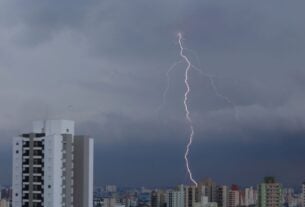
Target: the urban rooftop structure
(52, 167)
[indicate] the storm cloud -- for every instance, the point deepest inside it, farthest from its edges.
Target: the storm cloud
(103, 64)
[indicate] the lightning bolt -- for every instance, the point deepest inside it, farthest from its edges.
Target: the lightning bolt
(215, 89)
(217, 93)
(211, 79)
(187, 112)
(173, 66)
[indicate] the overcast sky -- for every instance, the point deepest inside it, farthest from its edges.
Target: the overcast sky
(103, 63)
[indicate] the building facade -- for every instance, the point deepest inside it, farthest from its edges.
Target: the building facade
(190, 196)
(222, 196)
(269, 193)
(175, 198)
(52, 167)
(303, 194)
(208, 188)
(234, 196)
(249, 197)
(157, 198)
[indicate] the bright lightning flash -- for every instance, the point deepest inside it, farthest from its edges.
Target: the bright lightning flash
(187, 112)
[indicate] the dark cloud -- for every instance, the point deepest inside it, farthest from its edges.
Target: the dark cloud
(233, 157)
(108, 60)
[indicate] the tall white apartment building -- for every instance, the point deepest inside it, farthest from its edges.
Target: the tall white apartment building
(52, 167)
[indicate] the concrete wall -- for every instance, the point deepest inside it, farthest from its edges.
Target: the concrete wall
(83, 171)
(17, 172)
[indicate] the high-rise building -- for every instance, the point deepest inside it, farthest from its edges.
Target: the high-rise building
(190, 196)
(269, 193)
(204, 202)
(175, 198)
(234, 196)
(222, 196)
(83, 171)
(289, 198)
(157, 198)
(208, 188)
(249, 195)
(52, 167)
(303, 194)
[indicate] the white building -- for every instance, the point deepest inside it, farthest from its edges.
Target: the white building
(204, 202)
(250, 196)
(52, 167)
(175, 198)
(234, 198)
(111, 188)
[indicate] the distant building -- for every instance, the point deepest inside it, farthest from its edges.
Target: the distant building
(269, 193)
(222, 196)
(290, 198)
(190, 193)
(144, 199)
(234, 196)
(204, 202)
(97, 202)
(98, 192)
(157, 198)
(4, 203)
(6, 193)
(249, 197)
(208, 188)
(111, 188)
(303, 194)
(109, 202)
(175, 198)
(52, 167)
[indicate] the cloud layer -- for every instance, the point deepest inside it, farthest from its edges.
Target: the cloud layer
(103, 64)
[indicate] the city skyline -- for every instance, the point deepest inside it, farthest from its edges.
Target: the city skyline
(268, 193)
(104, 65)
